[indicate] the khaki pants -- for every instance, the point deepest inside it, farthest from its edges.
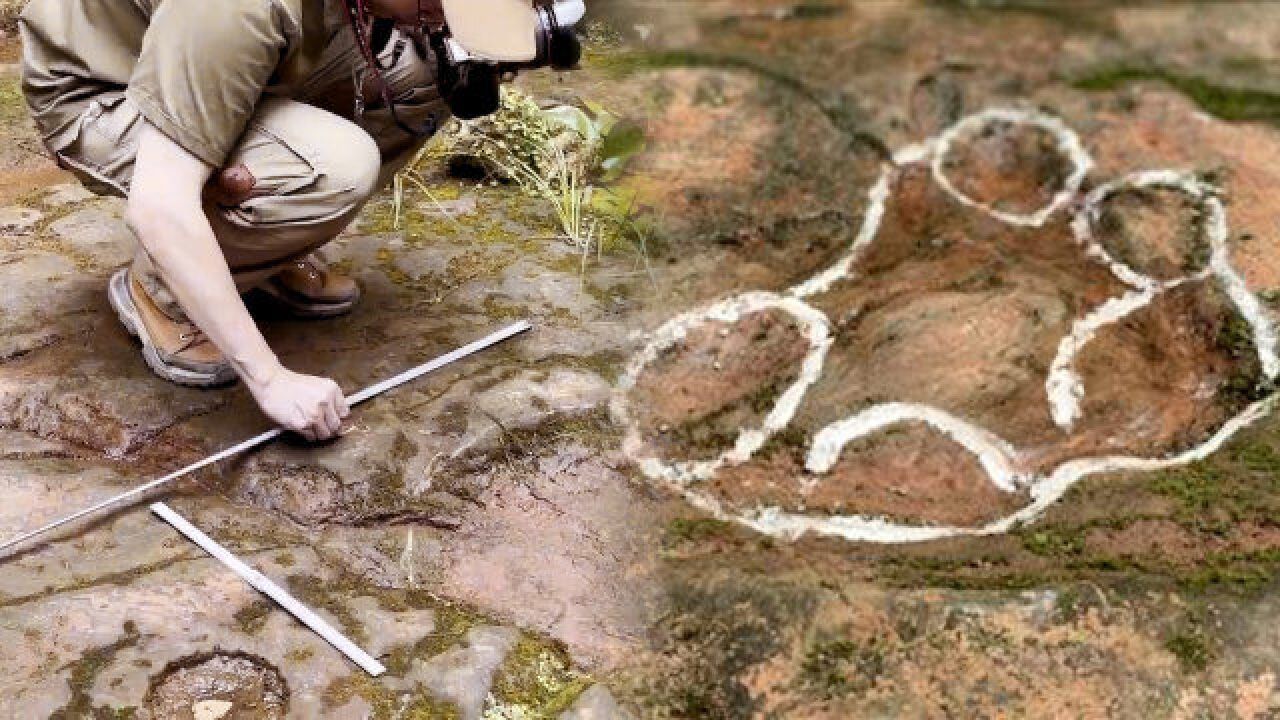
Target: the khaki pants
(313, 170)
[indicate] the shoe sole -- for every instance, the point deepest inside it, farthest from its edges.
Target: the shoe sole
(307, 310)
(122, 303)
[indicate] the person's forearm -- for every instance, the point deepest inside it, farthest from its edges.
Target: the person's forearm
(166, 214)
(185, 252)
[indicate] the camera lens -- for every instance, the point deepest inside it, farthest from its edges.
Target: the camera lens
(558, 44)
(474, 91)
(566, 49)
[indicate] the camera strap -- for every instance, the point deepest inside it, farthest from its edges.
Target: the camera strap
(359, 16)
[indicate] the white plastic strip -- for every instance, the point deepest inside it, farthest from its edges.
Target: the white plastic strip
(253, 442)
(264, 585)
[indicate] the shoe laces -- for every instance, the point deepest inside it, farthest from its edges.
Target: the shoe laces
(311, 268)
(192, 336)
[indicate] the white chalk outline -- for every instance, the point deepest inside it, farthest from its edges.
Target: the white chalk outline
(1065, 387)
(1068, 144)
(815, 329)
(999, 459)
(992, 452)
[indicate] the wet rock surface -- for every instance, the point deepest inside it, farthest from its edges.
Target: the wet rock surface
(1164, 580)
(715, 380)
(1005, 166)
(469, 530)
(596, 703)
(959, 301)
(219, 686)
(463, 676)
(480, 532)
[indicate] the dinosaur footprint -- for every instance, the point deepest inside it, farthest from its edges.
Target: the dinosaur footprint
(978, 349)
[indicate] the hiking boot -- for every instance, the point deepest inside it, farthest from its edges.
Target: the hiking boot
(309, 289)
(177, 351)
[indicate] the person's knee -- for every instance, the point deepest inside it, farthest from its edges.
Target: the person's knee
(298, 164)
(348, 167)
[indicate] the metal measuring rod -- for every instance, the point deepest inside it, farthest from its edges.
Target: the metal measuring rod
(253, 442)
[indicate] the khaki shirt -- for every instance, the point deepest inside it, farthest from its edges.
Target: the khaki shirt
(196, 69)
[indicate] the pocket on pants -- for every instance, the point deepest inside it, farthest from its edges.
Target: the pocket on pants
(309, 166)
(281, 173)
(112, 118)
(104, 151)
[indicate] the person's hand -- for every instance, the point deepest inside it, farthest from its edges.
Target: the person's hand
(313, 407)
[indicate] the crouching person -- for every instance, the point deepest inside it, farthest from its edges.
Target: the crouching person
(245, 135)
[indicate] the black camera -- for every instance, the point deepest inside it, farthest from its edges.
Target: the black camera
(471, 74)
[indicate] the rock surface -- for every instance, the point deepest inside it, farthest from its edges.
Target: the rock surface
(466, 530)
(480, 532)
(596, 703)
(464, 675)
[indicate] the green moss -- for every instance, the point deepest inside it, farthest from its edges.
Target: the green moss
(451, 627)
(565, 263)
(385, 703)
(13, 106)
(835, 667)
(452, 622)
(315, 593)
(426, 285)
(982, 572)
(1246, 382)
(1235, 337)
(1215, 495)
(403, 449)
(696, 530)
(496, 309)
(703, 438)
(790, 439)
(607, 364)
(536, 681)
(718, 625)
(1068, 604)
(1054, 542)
(1244, 573)
(1191, 645)
(253, 616)
(1259, 458)
(475, 265)
(1209, 501)
(379, 218)
(41, 238)
(122, 578)
(1196, 487)
(1228, 103)
(83, 674)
